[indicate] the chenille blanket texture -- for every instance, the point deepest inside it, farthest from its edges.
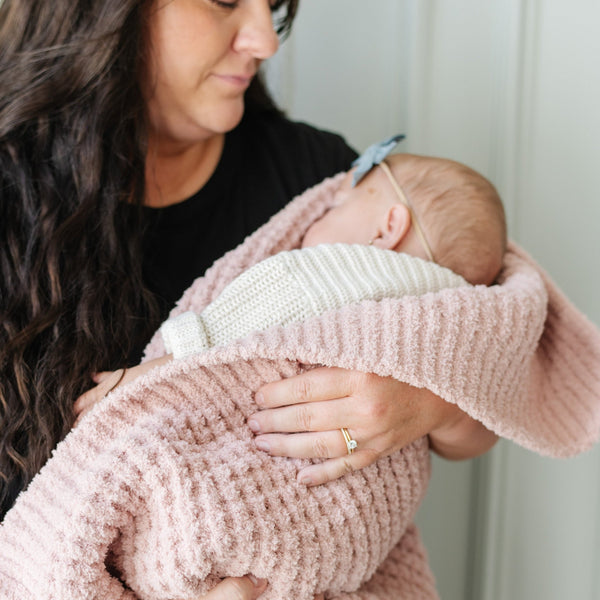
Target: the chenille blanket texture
(160, 486)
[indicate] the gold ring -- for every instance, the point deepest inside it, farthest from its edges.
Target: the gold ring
(351, 444)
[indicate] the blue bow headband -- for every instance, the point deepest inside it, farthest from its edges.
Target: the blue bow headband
(372, 156)
(375, 155)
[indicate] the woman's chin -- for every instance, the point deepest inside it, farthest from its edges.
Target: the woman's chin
(228, 117)
(198, 128)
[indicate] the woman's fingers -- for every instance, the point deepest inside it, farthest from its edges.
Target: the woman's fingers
(381, 415)
(309, 416)
(336, 467)
(100, 377)
(325, 444)
(301, 417)
(322, 383)
(106, 381)
(237, 588)
(241, 588)
(89, 398)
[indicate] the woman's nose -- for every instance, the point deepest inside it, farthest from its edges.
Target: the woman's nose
(256, 35)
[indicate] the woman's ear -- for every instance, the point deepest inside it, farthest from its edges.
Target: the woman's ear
(394, 228)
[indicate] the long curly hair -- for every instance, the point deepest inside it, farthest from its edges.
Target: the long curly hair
(73, 136)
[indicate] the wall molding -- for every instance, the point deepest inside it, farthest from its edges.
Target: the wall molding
(421, 40)
(512, 98)
(511, 76)
(475, 87)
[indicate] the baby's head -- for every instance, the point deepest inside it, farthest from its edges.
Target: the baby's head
(458, 212)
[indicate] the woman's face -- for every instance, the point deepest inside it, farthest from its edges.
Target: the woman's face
(202, 56)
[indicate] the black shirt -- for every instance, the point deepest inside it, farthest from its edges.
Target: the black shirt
(266, 161)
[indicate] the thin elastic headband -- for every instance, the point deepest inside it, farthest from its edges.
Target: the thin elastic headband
(402, 197)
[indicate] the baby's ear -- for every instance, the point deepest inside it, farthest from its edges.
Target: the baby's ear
(395, 227)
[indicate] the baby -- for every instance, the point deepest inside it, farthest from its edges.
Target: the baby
(435, 209)
(384, 237)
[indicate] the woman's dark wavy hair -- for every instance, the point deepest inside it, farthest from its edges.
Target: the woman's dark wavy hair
(72, 148)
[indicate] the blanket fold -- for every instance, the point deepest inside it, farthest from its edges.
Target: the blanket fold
(161, 487)
(517, 356)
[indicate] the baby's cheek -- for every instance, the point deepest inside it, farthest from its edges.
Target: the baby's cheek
(309, 236)
(316, 234)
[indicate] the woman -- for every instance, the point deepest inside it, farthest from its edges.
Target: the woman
(136, 146)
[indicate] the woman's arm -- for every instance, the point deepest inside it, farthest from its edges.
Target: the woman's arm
(380, 413)
(460, 436)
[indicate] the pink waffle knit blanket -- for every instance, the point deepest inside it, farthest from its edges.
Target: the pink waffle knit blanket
(161, 487)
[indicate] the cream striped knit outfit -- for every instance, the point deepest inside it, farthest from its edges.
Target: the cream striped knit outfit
(162, 482)
(296, 285)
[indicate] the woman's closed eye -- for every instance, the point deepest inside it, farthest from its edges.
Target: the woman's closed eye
(274, 4)
(224, 4)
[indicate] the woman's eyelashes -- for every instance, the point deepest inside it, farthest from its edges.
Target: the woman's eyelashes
(224, 4)
(273, 4)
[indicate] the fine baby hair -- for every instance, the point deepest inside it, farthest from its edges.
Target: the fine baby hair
(459, 211)
(453, 214)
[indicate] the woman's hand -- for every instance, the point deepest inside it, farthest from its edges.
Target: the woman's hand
(237, 588)
(240, 588)
(107, 381)
(380, 413)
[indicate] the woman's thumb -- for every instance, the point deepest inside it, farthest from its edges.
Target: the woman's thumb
(238, 588)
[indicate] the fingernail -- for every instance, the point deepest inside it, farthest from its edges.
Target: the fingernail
(254, 426)
(305, 480)
(262, 445)
(255, 581)
(259, 398)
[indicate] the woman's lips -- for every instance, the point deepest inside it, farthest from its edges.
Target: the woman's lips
(240, 81)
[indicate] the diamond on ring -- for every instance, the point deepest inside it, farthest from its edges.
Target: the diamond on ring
(351, 444)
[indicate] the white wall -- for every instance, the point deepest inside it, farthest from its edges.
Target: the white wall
(512, 88)
(345, 69)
